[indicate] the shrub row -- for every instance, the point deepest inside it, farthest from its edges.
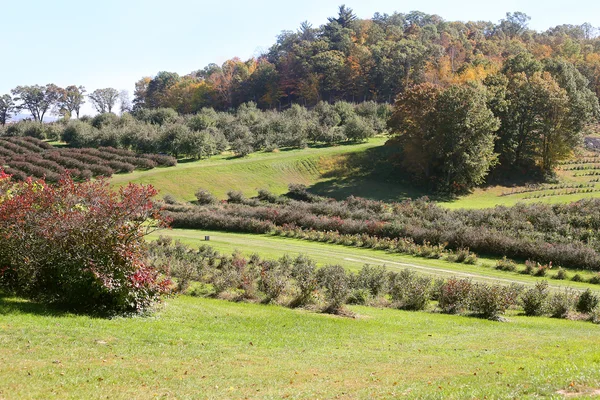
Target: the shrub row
(566, 235)
(298, 282)
(33, 157)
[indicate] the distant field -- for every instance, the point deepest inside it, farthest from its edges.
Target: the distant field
(328, 172)
(202, 348)
(354, 258)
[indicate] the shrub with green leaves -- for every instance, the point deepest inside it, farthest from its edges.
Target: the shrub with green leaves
(561, 303)
(333, 279)
(235, 196)
(587, 302)
(304, 274)
(204, 197)
(374, 279)
(410, 291)
(506, 264)
(273, 279)
(492, 301)
(534, 300)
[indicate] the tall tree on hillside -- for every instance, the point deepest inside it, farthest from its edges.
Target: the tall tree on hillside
(125, 102)
(543, 113)
(140, 92)
(104, 100)
(7, 107)
(158, 88)
(37, 99)
(345, 16)
(446, 135)
(72, 98)
(515, 24)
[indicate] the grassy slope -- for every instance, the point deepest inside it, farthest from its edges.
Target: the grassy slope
(354, 258)
(200, 348)
(326, 170)
(273, 171)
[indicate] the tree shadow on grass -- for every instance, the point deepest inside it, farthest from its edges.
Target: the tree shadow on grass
(371, 174)
(10, 305)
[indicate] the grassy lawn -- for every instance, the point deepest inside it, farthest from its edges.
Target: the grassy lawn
(273, 171)
(354, 258)
(202, 348)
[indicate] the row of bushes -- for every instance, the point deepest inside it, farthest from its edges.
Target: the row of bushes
(538, 188)
(25, 157)
(209, 132)
(566, 235)
(297, 282)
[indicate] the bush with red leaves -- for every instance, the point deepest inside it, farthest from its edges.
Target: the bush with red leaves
(78, 245)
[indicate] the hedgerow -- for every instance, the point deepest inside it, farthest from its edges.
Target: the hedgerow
(564, 234)
(297, 282)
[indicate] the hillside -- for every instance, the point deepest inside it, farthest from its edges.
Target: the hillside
(346, 170)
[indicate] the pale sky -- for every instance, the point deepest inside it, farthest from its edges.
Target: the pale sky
(113, 43)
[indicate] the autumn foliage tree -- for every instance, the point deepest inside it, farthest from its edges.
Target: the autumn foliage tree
(446, 135)
(78, 245)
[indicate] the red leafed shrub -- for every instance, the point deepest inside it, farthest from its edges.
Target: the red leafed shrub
(78, 245)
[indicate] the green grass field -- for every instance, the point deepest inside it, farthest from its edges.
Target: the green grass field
(200, 348)
(273, 171)
(329, 171)
(354, 258)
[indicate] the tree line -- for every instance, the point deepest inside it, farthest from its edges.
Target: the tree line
(41, 100)
(526, 117)
(209, 132)
(356, 60)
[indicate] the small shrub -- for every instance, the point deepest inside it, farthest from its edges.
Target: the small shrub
(334, 280)
(266, 195)
(560, 304)
(594, 316)
(506, 264)
(577, 278)
(530, 267)
(204, 197)
(373, 279)
(235, 196)
(359, 297)
(595, 280)
(454, 295)
(587, 302)
(561, 274)
(304, 274)
(169, 199)
(491, 301)
(534, 300)
(410, 291)
(273, 279)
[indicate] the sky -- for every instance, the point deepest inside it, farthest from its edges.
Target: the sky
(114, 43)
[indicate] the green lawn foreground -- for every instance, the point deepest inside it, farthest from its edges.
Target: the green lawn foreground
(197, 348)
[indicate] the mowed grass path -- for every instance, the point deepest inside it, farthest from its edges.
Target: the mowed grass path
(273, 171)
(211, 349)
(352, 258)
